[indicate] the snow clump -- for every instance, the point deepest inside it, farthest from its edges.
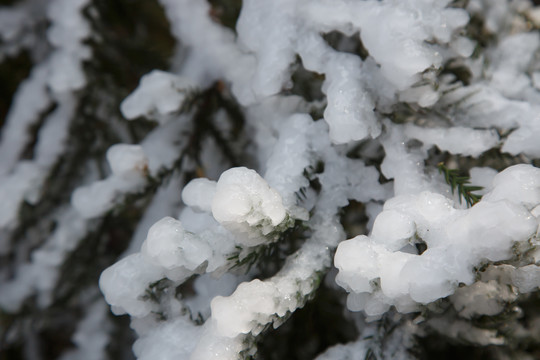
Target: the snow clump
(315, 138)
(159, 94)
(386, 269)
(243, 200)
(129, 166)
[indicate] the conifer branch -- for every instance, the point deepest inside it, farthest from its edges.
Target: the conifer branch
(461, 183)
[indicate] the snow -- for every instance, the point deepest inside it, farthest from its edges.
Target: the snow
(166, 202)
(456, 140)
(172, 340)
(489, 229)
(11, 22)
(354, 351)
(127, 161)
(199, 193)
(69, 30)
(169, 245)
(482, 298)
(124, 294)
(520, 183)
(17, 186)
(251, 304)
(91, 337)
(508, 72)
(40, 275)
(482, 176)
(384, 120)
(394, 229)
(99, 197)
(244, 200)
(159, 94)
(527, 278)
(50, 82)
(463, 46)
(215, 347)
(132, 166)
(21, 115)
(290, 156)
(213, 52)
(207, 288)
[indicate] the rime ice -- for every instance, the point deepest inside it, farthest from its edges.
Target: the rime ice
(266, 145)
(159, 94)
(169, 245)
(457, 241)
(129, 167)
(243, 198)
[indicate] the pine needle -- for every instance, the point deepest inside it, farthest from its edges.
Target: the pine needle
(461, 184)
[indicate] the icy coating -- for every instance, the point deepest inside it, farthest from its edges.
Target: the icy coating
(158, 95)
(243, 200)
(322, 168)
(380, 271)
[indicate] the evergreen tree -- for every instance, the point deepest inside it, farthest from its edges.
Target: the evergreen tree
(269, 179)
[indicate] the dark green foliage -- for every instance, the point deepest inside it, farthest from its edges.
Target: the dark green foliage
(226, 12)
(205, 123)
(350, 44)
(321, 323)
(130, 38)
(515, 327)
(155, 290)
(460, 184)
(311, 173)
(123, 338)
(438, 347)
(354, 219)
(8, 2)
(12, 71)
(306, 84)
(268, 258)
(246, 262)
(477, 31)
(461, 72)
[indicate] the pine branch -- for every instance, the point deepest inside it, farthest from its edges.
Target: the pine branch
(268, 258)
(461, 183)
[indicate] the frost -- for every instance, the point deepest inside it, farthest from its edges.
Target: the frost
(169, 245)
(125, 295)
(251, 304)
(527, 278)
(275, 154)
(378, 269)
(356, 351)
(482, 298)
(159, 94)
(18, 186)
(207, 288)
(129, 166)
(456, 140)
(161, 342)
(244, 200)
(521, 184)
(127, 161)
(91, 337)
(199, 193)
